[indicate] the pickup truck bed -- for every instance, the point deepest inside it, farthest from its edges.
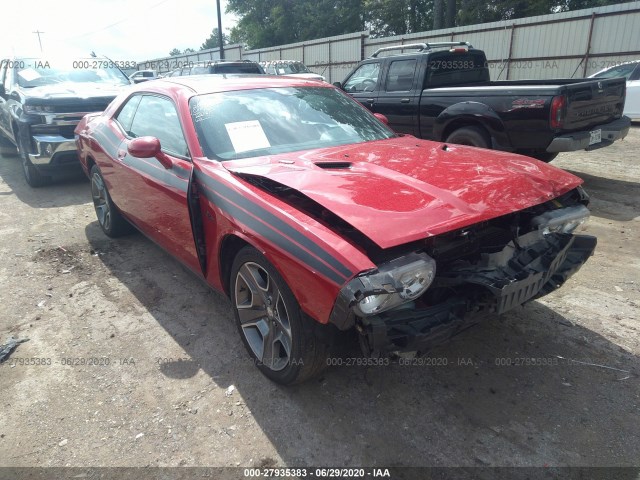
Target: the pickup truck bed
(447, 96)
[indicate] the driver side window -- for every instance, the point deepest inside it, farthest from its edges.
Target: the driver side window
(157, 117)
(364, 79)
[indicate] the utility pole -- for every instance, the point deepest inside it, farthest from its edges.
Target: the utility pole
(38, 32)
(220, 43)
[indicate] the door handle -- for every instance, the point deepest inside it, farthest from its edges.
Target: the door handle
(405, 100)
(370, 100)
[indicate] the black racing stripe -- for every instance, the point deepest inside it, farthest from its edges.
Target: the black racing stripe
(107, 145)
(273, 236)
(181, 172)
(114, 138)
(111, 135)
(276, 222)
(162, 175)
(175, 170)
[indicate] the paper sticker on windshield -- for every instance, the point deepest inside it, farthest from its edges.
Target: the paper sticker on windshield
(247, 136)
(29, 74)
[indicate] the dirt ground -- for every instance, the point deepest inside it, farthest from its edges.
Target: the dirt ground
(132, 361)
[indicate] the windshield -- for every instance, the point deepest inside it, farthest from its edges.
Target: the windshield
(624, 70)
(36, 72)
(287, 68)
(251, 123)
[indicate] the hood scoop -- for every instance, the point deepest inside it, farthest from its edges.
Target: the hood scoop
(333, 165)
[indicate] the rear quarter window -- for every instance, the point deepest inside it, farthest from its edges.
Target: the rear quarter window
(400, 75)
(241, 68)
(447, 68)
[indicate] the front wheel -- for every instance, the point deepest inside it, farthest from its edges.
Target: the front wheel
(280, 338)
(32, 175)
(472, 136)
(6, 147)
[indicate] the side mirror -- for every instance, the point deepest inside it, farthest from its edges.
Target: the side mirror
(337, 84)
(382, 118)
(149, 147)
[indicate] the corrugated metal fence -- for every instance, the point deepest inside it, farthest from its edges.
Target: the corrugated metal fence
(570, 44)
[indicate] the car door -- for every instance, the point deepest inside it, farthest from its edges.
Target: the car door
(399, 98)
(363, 84)
(155, 197)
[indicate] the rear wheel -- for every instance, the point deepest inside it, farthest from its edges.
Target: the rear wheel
(33, 177)
(539, 155)
(472, 136)
(280, 338)
(111, 221)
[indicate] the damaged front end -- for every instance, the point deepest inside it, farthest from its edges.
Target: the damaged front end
(422, 298)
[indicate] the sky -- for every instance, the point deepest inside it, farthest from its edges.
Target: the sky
(123, 30)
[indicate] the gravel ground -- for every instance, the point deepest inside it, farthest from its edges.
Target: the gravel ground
(132, 361)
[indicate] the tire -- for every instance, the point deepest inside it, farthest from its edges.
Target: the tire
(6, 147)
(111, 221)
(472, 136)
(266, 311)
(33, 177)
(539, 155)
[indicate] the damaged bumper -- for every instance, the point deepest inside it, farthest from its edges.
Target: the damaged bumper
(521, 272)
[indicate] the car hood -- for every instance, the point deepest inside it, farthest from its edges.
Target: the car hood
(66, 90)
(403, 189)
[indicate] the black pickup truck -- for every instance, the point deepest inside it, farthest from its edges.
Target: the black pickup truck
(42, 101)
(443, 92)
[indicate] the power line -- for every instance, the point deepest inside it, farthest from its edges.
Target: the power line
(123, 20)
(38, 32)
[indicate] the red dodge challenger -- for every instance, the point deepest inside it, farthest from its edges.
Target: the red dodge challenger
(314, 217)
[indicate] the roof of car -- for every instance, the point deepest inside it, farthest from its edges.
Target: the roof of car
(213, 83)
(223, 62)
(273, 62)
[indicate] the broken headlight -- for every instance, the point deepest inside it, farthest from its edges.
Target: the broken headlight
(562, 220)
(393, 283)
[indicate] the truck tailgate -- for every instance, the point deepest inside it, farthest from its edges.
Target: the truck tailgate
(593, 102)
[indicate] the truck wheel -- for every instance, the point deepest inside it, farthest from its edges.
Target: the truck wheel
(539, 155)
(111, 221)
(6, 147)
(473, 136)
(33, 177)
(280, 338)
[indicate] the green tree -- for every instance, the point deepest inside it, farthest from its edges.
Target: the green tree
(438, 14)
(398, 17)
(277, 22)
(450, 14)
(212, 41)
(188, 50)
(476, 11)
(565, 5)
(175, 52)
